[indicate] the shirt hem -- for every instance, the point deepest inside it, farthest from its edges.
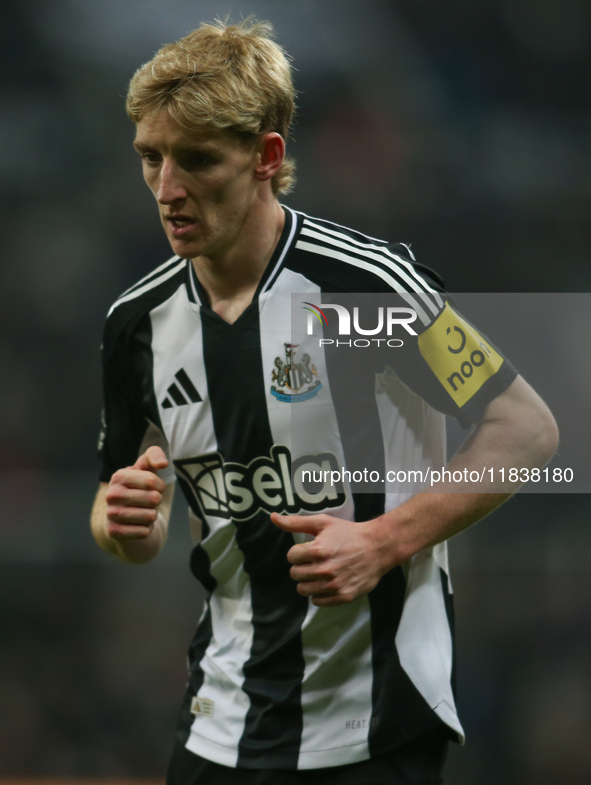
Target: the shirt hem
(355, 752)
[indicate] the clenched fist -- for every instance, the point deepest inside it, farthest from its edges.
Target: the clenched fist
(133, 496)
(344, 561)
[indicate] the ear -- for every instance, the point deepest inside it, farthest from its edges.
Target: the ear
(271, 155)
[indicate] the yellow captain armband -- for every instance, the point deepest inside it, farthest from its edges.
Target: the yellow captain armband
(458, 355)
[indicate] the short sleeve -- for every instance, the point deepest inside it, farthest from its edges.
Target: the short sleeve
(443, 358)
(453, 366)
(126, 428)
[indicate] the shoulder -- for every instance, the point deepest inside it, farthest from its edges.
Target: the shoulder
(342, 259)
(145, 295)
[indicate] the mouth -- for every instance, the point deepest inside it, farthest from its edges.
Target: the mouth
(179, 225)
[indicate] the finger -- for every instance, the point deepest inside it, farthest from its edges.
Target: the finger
(309, 572)
(308, 524)
(140, 479)
(118, 531)
(132, 497)
(329, 600)
(152, 460)
(144, 516)
(304, 553)
(316, 589)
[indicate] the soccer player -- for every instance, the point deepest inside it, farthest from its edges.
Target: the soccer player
(324, 653)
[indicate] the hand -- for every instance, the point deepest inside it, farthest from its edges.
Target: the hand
(133, 497)
(344, 561)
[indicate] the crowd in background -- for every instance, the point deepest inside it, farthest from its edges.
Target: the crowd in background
(462, 128)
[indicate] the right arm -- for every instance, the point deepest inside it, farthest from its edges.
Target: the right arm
(130, 513)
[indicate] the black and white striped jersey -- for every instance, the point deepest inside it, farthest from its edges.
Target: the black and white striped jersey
(276, 682)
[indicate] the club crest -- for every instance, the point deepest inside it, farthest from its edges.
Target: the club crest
(292, 376)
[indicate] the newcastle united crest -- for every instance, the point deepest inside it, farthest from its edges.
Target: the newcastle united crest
(292, 376)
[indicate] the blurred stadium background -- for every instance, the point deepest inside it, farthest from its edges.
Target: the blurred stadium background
(462, 127)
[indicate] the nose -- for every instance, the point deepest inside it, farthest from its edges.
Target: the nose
(170, 184)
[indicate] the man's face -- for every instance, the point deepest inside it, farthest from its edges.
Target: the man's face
(203, 182)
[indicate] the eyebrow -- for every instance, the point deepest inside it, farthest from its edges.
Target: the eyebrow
(204, 147)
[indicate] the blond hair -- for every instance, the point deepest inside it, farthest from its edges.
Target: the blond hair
(221, 76)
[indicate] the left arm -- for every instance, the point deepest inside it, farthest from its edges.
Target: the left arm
(346, 559)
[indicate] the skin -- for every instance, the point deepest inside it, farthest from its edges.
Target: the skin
(130, 513)
(345, 560)
(223, 187)
(220, 190)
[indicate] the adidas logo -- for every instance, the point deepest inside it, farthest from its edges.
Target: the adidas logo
(177, 396)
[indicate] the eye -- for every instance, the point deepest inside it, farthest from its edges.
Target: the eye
(196, 160)
(152, 159)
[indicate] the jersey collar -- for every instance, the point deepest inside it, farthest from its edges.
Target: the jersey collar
(285, 243)
(197, 293)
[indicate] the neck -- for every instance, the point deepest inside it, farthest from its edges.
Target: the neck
(231, 278)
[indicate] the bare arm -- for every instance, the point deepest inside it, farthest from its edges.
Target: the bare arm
(516, 431)
(131, 513)
(346, 559)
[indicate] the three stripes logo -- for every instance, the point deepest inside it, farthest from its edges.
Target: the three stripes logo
(176, 393)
